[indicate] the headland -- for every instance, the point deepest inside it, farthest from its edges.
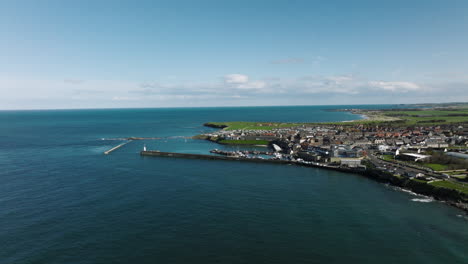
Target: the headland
(421, 148)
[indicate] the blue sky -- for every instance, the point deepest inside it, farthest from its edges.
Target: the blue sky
(95, 54)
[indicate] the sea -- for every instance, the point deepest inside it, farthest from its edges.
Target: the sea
(63, 201)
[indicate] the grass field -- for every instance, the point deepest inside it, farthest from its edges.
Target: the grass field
(244, 142)
(429, 117)
(411, 117)
(240, 125)
(388, 157)
(460, 177)
(451, 185)
(376, 117)
(418, 180)
(436, 167)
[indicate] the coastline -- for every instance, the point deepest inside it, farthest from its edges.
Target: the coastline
(451, 197)
(363, 117)
(447, 196)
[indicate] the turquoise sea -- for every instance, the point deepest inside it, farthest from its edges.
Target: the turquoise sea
(63, 201)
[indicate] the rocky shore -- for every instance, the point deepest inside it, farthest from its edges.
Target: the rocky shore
(214, 125)
(449, 196)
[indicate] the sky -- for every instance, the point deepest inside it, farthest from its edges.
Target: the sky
(121, 54)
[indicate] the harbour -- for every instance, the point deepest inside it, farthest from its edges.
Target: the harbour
(68, 189)
(210, 157)
(450, 197)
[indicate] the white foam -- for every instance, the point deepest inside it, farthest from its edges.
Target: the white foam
(408, 191)
(422, 200)
(404, 190)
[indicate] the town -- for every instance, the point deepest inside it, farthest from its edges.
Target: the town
(435, 155)
(348, 145)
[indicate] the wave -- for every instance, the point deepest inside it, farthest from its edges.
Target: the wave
(422, 200)
(464, 217)
(403, 190)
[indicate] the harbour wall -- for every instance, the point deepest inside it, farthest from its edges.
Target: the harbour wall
(452, 197)
(243, 159)
(210, 157)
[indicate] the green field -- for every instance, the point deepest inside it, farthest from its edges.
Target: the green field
(418, 180)
(240, 125)
(244, 142)
(388, 157)
(436, 167)
(460, 177)
(451, 185)
(428, 117)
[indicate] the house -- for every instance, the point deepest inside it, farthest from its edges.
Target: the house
(379, 141)
(350, 162)
(383, 148)
(345, 151)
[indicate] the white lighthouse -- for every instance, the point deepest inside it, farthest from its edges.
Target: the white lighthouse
(144, 147)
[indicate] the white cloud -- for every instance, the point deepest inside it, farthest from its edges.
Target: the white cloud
(252, 85)
(241, 81)
(339, 84)
(340, 79)
(125, 98)
(239, 88)
(236, 78)
(395, 86)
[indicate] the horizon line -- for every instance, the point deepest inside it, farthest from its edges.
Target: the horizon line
(215, 106)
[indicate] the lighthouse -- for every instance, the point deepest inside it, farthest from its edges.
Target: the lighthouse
(144, 147)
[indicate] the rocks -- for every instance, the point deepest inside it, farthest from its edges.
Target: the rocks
(201, 137)
(460, 205)
(215, 125)
(451, 197)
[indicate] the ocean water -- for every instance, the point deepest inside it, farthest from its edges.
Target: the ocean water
(63, 201)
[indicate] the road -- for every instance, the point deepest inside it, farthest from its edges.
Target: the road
(397, 168)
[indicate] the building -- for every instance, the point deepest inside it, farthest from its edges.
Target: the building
(350, 162)
(412, 156)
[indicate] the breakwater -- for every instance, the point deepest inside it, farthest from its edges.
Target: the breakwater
(210, 157)
(245, 159)
(452, 197)
(116, 147)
